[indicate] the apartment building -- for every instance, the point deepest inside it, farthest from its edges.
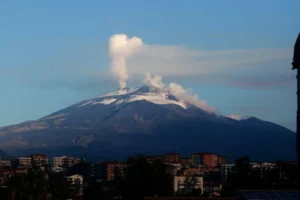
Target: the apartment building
(113, 167)
(263, 167)
(21, 161)
(186, 161)
(39, 160)
(75, 179)
(58, 169)
(65, 161)
(191, 171)
(58, 161)
(21, 170)
(227, 169)
(221, 160)
(179, 183)
(172, 158)
(5, 173)
(197, 159)
(151, 159)
(210, 160)
(98, 170)
(173, 168)
(5, 162)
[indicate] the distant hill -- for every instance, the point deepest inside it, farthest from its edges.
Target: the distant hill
(3, 154)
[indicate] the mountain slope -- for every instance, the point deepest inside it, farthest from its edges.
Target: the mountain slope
(147, 120)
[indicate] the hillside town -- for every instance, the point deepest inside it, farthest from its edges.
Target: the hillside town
(200, 174)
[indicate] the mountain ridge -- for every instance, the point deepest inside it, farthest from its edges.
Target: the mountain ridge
(138, 120)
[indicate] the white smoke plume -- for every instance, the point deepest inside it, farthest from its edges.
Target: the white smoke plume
(179, 92)
(155, 81)
(120, 48)
(183, 95)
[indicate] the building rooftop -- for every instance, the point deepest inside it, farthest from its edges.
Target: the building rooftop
(153, 156)
(182, 158)
(38, 154)
(172, 153)
(23, 157)
(209, 153)
(201, 153)
(114, 162)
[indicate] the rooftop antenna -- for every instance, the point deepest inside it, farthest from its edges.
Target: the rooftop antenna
(296, 65)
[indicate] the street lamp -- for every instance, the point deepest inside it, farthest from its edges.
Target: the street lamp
(296, 65)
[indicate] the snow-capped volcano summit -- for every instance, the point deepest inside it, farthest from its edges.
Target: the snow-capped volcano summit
(148, 93)
(238, 118)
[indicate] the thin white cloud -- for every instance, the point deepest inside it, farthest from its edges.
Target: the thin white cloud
(176, 61)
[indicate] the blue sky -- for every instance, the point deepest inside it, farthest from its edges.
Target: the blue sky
(54, 53)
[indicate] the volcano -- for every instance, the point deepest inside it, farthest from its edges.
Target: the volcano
(146, 120)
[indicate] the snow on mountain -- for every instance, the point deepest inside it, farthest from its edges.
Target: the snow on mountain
(149, 93)
(238, 118)
(137, 120)
(156, 95)
(120, 92)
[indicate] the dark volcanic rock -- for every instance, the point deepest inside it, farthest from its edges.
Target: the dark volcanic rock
(117, 126)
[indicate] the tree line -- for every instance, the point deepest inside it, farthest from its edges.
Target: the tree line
(283, 176)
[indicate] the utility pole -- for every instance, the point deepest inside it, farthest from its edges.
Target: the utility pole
(296, 65)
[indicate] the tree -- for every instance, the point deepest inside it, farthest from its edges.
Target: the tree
(282, 176)
(81, 168)
(117, 173)
(227, 190)
(240, 178)
(187, 184)
(16, 183)
(147, 179)
(190, 188)
(36, 184)
(59, 187)
(33, 185)
(242, 165)
(6, 193)
(119, 182)
(94, 192)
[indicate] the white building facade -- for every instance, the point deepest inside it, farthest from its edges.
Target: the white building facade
(75, 179)
(179, 183)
